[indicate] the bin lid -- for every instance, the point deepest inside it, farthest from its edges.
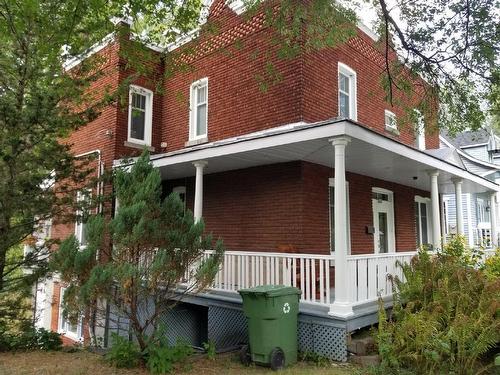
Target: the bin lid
(271, 290)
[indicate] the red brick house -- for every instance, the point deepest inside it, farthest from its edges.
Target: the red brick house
(310, 184)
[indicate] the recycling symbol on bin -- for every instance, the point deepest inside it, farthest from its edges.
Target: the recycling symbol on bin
(286, 308)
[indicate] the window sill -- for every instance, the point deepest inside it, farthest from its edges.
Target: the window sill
(138, 145)
(394, 131)
(194, 142)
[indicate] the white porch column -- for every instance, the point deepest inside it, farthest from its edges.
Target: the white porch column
(342, 305)
(436, 227)
(458, 201)
(198, 192)
(493, 220)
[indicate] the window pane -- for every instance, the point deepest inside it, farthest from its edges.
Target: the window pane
(201, 120)
(139, 101)
(83, 236)
(331, 198)
(417, 224)
(343, 105)
(382, 232)
(344, 83)
(202, 94)
(137, 124)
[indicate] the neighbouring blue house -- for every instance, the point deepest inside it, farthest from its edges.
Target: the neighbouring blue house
(478, 152)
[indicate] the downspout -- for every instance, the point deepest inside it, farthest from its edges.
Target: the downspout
(99, 189)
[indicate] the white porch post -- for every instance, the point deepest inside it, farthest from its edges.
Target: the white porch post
(493, 220)
(342, 305)
(458, 201)
(198, 192)
(436, 227)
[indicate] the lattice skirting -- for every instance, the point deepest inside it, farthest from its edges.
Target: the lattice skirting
(322, 338)
(227, 327)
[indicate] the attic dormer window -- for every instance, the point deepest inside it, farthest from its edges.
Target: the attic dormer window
(347, 92)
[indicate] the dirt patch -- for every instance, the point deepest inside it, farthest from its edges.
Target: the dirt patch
(85, 363)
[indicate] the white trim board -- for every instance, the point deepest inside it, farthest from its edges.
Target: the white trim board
(308, 132)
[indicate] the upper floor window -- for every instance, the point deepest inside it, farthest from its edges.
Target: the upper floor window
(347, 92)
(419, 130)
(199, 109)
(391, 123)
(82, 200)
(140, 115)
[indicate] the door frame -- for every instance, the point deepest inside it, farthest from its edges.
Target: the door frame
(387, 207)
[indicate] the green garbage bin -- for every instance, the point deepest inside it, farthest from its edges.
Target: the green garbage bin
(272, 325)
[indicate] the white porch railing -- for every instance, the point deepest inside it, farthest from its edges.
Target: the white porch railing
(368, 274)
(312, 274)
(243, 269)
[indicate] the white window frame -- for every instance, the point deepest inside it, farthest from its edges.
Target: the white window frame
(391, 225)
(148, 118)
(427, 201)
(193, 109)
(80, 196)
(393, 125)
(419, 130)
(353, 94)
(62, 323)
(331, 183)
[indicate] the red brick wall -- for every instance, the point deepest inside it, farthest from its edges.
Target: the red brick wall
(285, 206)
(236, 56)
(321, 87)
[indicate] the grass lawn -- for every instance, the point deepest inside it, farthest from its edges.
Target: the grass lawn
(85, 363)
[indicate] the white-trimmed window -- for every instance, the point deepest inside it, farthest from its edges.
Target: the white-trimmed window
(331, 214)
(391, 123)
(68, 329)
(347, 92)
(198, 121)
(419, 130)
(423, 221)
(82, 200)
(140, 115)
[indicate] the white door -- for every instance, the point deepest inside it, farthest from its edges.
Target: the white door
(383, 221)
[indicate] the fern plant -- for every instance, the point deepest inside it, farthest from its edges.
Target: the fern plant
(445, 316)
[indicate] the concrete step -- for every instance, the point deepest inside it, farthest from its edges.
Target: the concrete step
(362, 346)
(365, 360)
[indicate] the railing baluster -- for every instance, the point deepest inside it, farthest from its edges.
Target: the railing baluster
(308, 280)
(321, 281)
(302, 277)
(313, 279)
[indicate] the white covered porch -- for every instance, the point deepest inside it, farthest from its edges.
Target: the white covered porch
(338, 283)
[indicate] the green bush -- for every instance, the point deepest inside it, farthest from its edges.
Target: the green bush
(210, 349)
(491, 266)
(161, 357)
(123, 353)
(445, 316)
(30, 339)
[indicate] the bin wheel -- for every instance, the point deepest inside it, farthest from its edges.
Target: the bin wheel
(277, 359)
(245, 357)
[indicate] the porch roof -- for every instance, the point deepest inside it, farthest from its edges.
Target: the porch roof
(369, 153)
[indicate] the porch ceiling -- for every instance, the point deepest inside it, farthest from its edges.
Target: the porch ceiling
(368, 153)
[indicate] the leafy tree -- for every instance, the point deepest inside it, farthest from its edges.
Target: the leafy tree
(41, 103)
(157, 246)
